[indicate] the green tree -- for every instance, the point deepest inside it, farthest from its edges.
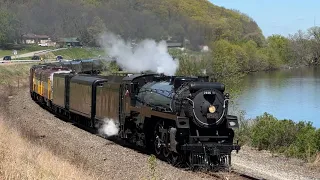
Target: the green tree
(253, 62)
(9, 27)
(225, 64)
(300, 49)
(314, 36)
(94, 31)
(280, 45)
(270, 57)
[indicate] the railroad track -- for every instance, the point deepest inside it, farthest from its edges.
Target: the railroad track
(234, 175)
(247, 176)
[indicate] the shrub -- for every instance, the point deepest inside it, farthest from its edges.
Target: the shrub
(300, 140)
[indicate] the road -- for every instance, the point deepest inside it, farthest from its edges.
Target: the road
(29, 54)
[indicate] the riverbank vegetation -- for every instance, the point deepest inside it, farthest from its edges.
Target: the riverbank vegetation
(292, 139)
(300, 49)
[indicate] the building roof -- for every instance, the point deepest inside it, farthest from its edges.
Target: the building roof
(35, 36)
(173, 44)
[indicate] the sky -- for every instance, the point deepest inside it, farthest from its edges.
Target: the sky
(278, 17)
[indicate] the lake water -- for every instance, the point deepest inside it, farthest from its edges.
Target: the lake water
(286, 94)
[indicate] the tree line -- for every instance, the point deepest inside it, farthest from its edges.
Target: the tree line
(228, 59)
(196, 20)
(235, 39)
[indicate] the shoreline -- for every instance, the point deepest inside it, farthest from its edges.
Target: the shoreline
(283, 67)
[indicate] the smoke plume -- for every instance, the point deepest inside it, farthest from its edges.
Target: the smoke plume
(146, 55)
(110, 127)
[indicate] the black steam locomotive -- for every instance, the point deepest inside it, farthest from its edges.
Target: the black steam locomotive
(183, 119)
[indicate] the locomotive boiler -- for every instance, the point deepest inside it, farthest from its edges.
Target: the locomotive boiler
(202, 101)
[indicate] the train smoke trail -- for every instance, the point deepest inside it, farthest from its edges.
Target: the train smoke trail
(109, 128)
(146, 55)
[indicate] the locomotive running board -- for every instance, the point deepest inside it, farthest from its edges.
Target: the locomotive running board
(148, 112)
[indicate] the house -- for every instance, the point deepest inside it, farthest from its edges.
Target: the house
(204, 48)
(34, 39)
(174, 44)
(69, 42)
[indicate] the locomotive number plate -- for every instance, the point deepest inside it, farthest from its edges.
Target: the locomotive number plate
(207, 92)
(212, 115)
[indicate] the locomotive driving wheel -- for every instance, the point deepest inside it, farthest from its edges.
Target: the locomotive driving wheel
(162, 143)
(166, 151)
(158, 137)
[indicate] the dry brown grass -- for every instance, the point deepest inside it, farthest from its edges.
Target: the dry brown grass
(14, 75)
(21, 159)
(317, 161)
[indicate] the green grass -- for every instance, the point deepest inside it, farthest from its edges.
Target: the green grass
(79, 53)
(11, 74)
(36, 48)
(9, 53)
(25, 49)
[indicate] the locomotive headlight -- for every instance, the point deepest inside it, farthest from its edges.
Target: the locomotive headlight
(212, 109)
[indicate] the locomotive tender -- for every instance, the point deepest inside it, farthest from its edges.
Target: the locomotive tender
(183, 119)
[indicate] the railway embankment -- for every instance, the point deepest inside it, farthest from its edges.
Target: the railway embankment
(41, 138)
(20, 156)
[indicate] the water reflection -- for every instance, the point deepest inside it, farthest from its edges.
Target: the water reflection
(291, 94)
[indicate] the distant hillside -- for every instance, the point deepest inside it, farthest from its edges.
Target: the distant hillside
(196, 20)
(212, 22)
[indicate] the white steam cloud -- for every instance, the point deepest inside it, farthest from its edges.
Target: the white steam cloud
(110, 127)
(146, 55)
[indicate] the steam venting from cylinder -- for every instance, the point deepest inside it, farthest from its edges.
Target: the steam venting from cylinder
(147, 55)
(109, 128)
